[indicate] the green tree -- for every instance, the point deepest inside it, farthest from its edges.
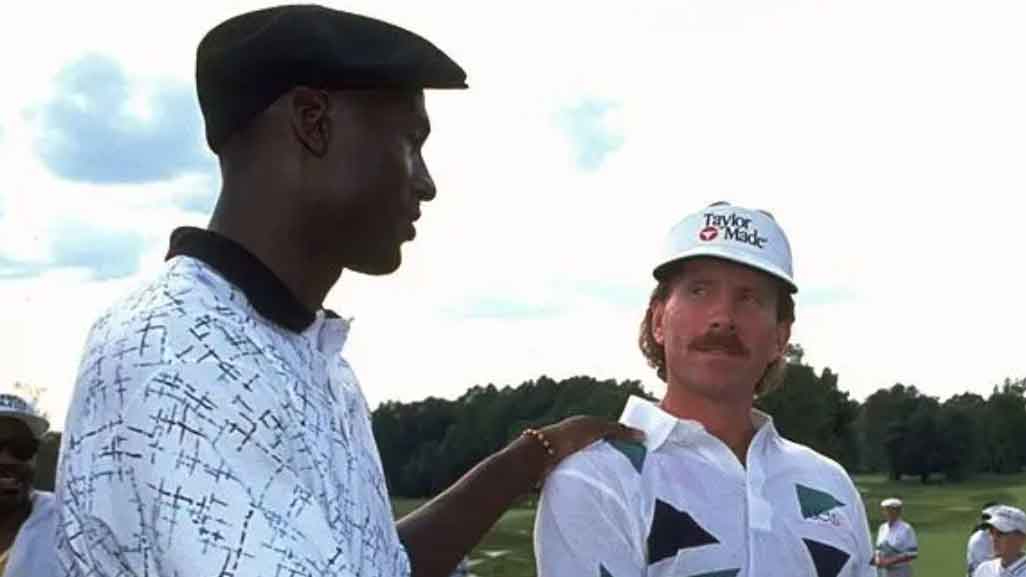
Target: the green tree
(959, 438)
(881, 426)
(425, 446)
(1005, 428)
(811, 410)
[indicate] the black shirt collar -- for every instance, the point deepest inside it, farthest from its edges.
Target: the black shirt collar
(265, 291)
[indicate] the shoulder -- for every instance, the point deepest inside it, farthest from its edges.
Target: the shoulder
(44, 513)
(187, 321)
(988, 567)
(184, 292)
(808, 458)
(44, 503)
(612, 468)
(806, 462)
(605, 460)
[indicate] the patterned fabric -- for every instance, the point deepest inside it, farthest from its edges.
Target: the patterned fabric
(686, 507)
(205, 439)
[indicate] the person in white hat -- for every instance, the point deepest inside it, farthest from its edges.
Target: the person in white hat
(713, 489)
(1008, 530)
(28, 518)
(980, 547)
(896, 543)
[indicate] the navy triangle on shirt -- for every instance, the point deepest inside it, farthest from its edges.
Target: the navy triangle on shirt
(828, 560)
(673, 530)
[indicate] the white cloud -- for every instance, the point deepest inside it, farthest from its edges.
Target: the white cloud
(887, 138)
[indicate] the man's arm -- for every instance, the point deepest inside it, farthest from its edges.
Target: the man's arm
(444, 530)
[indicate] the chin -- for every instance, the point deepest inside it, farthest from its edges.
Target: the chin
(718, 384)
(378, 265)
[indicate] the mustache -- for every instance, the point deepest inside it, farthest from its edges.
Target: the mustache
(727, 342)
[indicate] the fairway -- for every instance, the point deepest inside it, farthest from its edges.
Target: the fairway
(941, 514)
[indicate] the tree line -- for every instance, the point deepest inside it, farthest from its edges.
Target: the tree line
(427, 445)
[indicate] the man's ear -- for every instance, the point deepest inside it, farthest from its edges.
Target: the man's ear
(310, 111)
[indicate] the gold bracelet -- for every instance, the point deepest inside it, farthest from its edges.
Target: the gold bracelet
(540, 437)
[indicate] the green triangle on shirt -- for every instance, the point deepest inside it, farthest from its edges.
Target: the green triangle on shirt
(814, 502)
(603, 572)
(633, 450)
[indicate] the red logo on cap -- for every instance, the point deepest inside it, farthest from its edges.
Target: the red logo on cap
(708, 233)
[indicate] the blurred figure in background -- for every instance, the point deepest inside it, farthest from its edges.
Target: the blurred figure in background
(981, 546)
(27, 517)
(896, 544)
(1008, 530)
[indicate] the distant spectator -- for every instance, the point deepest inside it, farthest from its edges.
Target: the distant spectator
(1008, 530)
(981, 546)
(27, 517)
(896, 544)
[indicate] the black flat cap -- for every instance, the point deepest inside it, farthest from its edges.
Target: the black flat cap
(245, 63)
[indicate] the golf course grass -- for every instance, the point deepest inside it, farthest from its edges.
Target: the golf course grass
(942, 515)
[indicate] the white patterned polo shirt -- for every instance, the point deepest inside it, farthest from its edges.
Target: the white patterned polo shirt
(216, 431)
(682, 505)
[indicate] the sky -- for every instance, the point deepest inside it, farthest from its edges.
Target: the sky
(887, 137)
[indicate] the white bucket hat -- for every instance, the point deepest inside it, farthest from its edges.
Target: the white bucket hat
(14, 407)
(891, 503)
(745, 236)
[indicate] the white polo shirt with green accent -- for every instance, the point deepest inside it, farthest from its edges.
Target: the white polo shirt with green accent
(682, 505)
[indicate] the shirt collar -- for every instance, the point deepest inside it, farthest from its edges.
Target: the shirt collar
(660, 426)
(1015, 567)
(264, 290)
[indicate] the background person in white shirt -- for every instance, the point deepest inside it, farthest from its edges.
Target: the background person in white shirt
(980, 547)
(896, 544)
(28, 519)
(1008, 530)
(713, 490)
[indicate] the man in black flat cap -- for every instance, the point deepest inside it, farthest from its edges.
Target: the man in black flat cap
(215, 429)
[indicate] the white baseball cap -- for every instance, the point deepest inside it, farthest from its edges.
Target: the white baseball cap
(722, 230)
(1008, 519)
(14, 407)
(892, 502)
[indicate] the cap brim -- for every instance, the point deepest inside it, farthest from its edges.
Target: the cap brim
(718, 252)
(37, 425)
